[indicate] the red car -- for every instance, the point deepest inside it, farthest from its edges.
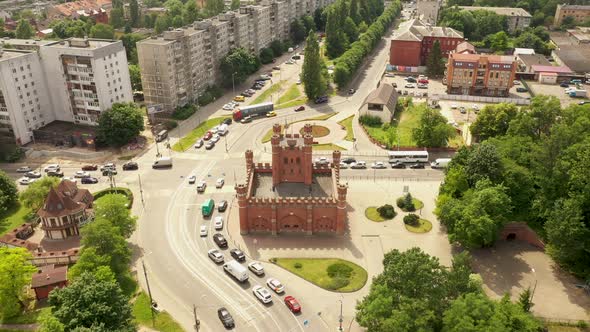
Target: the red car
(423, 81)
(207, 136)
(292, 304)
(89, 167)
(299, 109)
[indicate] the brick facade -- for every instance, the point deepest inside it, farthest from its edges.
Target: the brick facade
(294, 195)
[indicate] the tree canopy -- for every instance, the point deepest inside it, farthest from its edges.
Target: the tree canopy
(237, 65)
(433, 130)
(15, 274)
(102, 31)
(8, 192)
(120, 124)
(34, 196)
(314, 83)
(24, 30)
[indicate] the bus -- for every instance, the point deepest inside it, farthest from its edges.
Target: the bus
(252, 110)
(207, 208)
(162, 135)
(408, 157)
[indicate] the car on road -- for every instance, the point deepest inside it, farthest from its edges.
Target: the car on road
(378, 165)
(239, 98)
(25, 181)
(247, 93)
(423, 80)
(70, 178)
(33, 175)
(454, 106)
(584, 102)
(90, 167)
(348, 160)
(109, 172)
(290, 62)
(262, 294)
(51, 167)
(343, 165)
(521, 89)
(351, 91)
(203, 230)
(475, 108)
(410, 79)
(130, 166)
(226, 121)
(321, 100)
(192, 179)
(23, 169)
(292, 304)
(225, 318)
(218, 223)
(265, 77)
(228, 107)
(275, 285)
(398, 164)
(238, 255)
(199, 143)
(358, 165)
(215, 255)
(276, 68)
(222, 206)
(516, 82)
(462, 110)
(422, 86)
(207, 136)
(410, 85)
(564, 84)
(89, 180)
(417, 166)
(298, 82)
(271, 114)
(209, 145)
(389, 75)
(57, 174)
(256, 268)
(108, 166)
(219, 183)
(300, 108)
(201, 186)
(215, 138)
(256, 86)
(246, 119)
(219, 240)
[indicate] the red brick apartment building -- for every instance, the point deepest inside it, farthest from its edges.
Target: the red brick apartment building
(412, 42)
(480, 74)
(294, 194)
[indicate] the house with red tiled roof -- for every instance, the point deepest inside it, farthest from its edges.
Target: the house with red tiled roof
(47, 278)
(65, 208)
(96, 9)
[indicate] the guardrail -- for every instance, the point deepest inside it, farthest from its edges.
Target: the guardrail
(482, 99)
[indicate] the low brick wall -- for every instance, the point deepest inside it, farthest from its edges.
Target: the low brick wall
(521, 231)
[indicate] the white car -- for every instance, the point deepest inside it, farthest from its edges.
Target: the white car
(215, 138)
(516, 82)
(343, 165)
(298, 82)
(256, 268)
(25, 181)
(275, 285)
(358, 165)
(70, 178)
(262, 294)
(192, 179)
(219, 183)
(410, 85)
(290, 62)
(228, 107)
(475, 107)
(51, 168)
(378, 165)
(218, 223)
(215, 255)
(33, 175)
(389, 75)
(203, 230)
(199, 143)
(322, 161)
(201, 186)
(81, 174)
(23, 169)
(454, 106)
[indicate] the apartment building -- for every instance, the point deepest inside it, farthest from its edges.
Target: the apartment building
(280, 20)
(516, 18)
(579, 13)
(72, 80)
(480, 74)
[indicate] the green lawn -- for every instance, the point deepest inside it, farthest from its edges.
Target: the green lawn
(372, 214)
(347, 123)
(327, 146)
(14, 217)
(28, 317)
(190, 139)
(424, 227)
(559, 328)
(315, 271)
(292, 93)
(292, 103)
(267, 93)
(268, 135)
(404, 122)
(417, 203)
(143, 316)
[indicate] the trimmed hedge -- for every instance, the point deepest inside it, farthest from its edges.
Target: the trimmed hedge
(349, 62)
(116, 190)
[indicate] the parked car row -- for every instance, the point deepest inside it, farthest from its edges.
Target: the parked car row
(84, 175)
(213, 135)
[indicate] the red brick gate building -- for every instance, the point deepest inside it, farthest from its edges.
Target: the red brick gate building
(294, 195)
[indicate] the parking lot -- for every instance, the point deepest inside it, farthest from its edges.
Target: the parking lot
(557, 91)
(433, 86)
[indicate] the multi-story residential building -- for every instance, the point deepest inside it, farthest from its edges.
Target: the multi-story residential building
(480, 74)
(579, 13)
(412, 42)
(280, 20)
(427, 11)
(516, 18)
(72, 80)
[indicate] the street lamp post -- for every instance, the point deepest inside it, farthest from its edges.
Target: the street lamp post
(340, 319)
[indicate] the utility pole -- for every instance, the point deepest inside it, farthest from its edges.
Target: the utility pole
(140, 190)
(225, 140)
(340, 319)
(149, 293)
(197, 321)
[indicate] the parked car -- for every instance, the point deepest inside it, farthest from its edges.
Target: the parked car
(256, 86)
(225, 318)
(246, 119)
(220, 240)
(394, 85)
(410, 85)
(389, 75)
(209, 145)
(417, 166)
(130, 166)
(33, 175)
(300, 108)
(192, 179)
(219, 183)
(201, 186)
(321, 100)
(298, 82)
(348, 160)
(521, 89)
(227, 121)
(237, 255)
(292, 304)
(222, 206)
(215, 138)
(423, 81)
(25, 181)
(516, 82)
(422, 86)
(228, 107)
(90, 167)
(57, 174)
(343, 165)
(218, 223)
(584, 102)
(276, 68)
(51, 167)
(378, 165)
(462, 110)
(239, 98)
(215, 255)
(89, 180)
(262, 294)
(271, 114)
(207, 135)
(256, 268)
(275, 285)
(109, 172)
(564, 84)
(351, 91)
(199, 143)
(358, 165)
(70, 178)
(23, 169)
(322, 161)
(108, 166)
(203, 230)
(410, 79)
(398, 165)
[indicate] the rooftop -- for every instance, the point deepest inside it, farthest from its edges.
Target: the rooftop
(11, 54)
(564, 6)
(65, 199)
(581, 34)
(551, 69)
(505, 11)
(575, 57)
(534, 59)
(385, 94)
(415, 30)
(321, 187)
(519, 50)
(49, 275)
(86, 43)
(477, 57)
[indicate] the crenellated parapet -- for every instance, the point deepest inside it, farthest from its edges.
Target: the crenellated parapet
(288, 201)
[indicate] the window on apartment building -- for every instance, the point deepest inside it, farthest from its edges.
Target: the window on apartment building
(107, 75)
(26, 85)
(20, 96)
(28, 66)
(30, 102)
(28, 94)
(34, 118)
(13, 71)
(33, 84)
(30, 74)
(24, 77)
(108, 84)
(22, 68)
(28, 121)
(16, 79)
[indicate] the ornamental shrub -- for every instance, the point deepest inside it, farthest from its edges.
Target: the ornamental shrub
(386, 211)
(411, 219)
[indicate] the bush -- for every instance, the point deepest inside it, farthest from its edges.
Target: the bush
(170, 124)
(266, 55)
(117, 190)
(406, 203)
(411, 219)
(337, 283)
(339, 270)
(385, 126)
(184, 112)
(370, 120)
(297, 265)
(211, 93)
(14, 155)
(386, 211)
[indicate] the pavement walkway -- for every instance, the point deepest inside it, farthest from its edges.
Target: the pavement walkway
(17, 327)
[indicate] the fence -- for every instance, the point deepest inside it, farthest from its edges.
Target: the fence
(481, 99)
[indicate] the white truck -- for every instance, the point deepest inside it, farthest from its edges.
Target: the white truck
(162, 162)
(440, 163)
(236, 270)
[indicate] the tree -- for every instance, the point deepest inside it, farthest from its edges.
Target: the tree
(113, 207)
(34, 196)
(162, 23)
(117, 17)
(568, 22)
(130, 43)
(484, 163)
(308, 23)
(214, 7)
(134, 14)
(120, 124)
(174, 8)
(48, 323)
(278, 47)
(350, 29)
(266, 55)
(354, 12)
(90, 301)
(336, 40)
(235, 4)
(2, 27)
(433, 130)
(525, 299)
(107, 241)
(237, 65)
(314, 83)
(435, 65)
(69, 28)
(15, 274)
(499, 42)
(297, 31)
(90, 261)
(190, 12)
(102, 31)
(135, 76)
(363, 27)
(8, 192)
(493, 120)
(24, 30)
(319, 18)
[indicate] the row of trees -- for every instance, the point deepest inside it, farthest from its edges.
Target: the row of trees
(416, 293)
(8, 193)
(314, 73)
(347, 64)
(531, 165)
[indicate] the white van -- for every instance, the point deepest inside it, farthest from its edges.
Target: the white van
(440, 163)
(162, 162)
(236, 270)
(222, 130)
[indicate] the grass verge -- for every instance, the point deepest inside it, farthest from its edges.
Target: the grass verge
(267, 93)
(424, 226)
(404, 123)
(372, 214)
(315, 270)
(327, 146)
(297, 102)
(13, 217)
(347, 124)
(143, 316)
(28, 317)
(292, 93)
(190, 139)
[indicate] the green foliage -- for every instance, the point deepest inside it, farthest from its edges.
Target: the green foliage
(48, 323)
(350, 30)
(297, 265)
(162, 23)
(435, 64)
(130, 43)
(102, 31)
(475, 25)
(308, 23)
(120, 124)
(499, 42)
(117, 17)
(239, 63)
(235, 4)
(433, 131)
(34, 196)
(184, 112)
(278, 47)
(91, 302)
(339, 270)
(15, 274)
(134, 14)
(190, 12)
(8, 192)
(320, 18)
(314, 82)
(24, 30)
(386, 211)
(493, 120)
(107, 241)
(266, 55)
(135, 76)
(336, 40)
(214, 7)
(115, 209)
(525, 299)
(211, 93)
(483, 163)
(370, 120)
(70, 28)
(297, 31)
(411, 219)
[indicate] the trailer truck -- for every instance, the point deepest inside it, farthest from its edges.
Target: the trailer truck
(252, 110)
(236, 270)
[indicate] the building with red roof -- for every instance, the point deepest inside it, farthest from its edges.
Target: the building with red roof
(480, 74)
(48, 278)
